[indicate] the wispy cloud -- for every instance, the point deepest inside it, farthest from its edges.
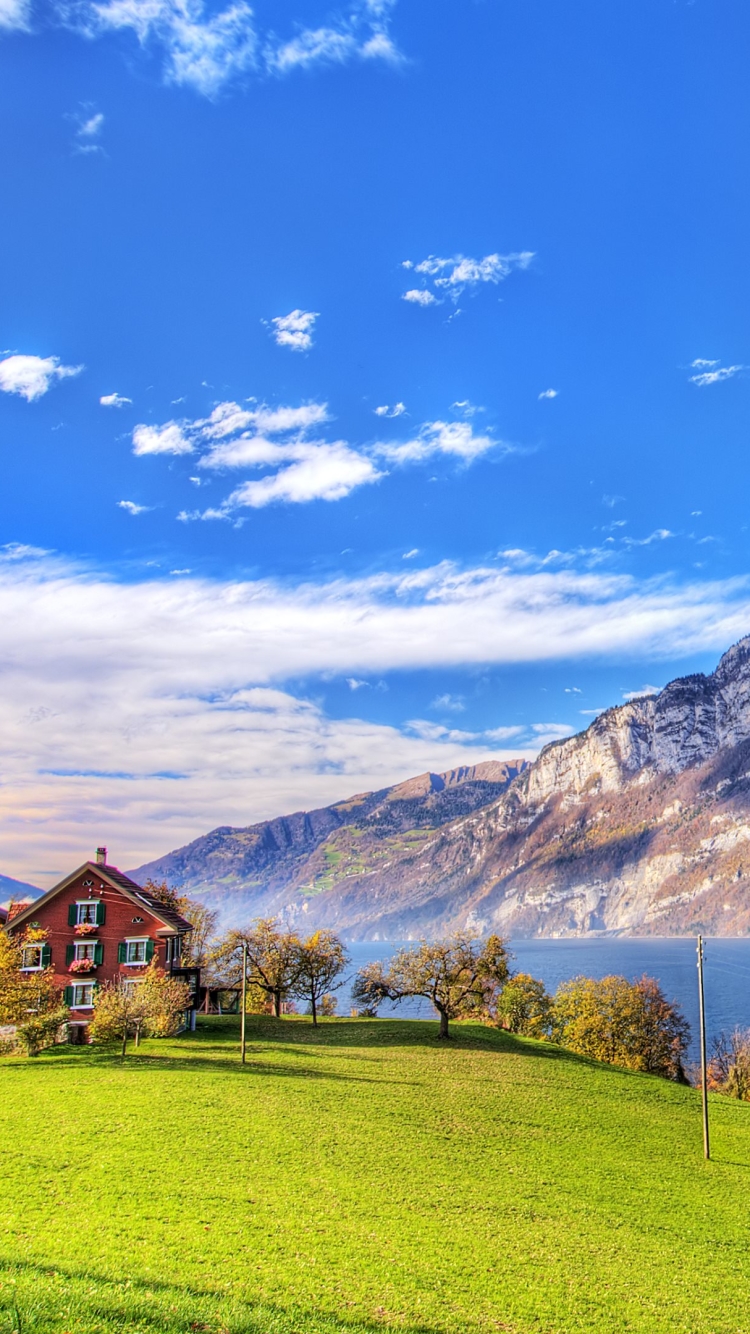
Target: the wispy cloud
(295, 330)
(31, 377)
(548, 393)
(453, 703)
(714, 376)
(658, 535)
(131, 508)
(384, 410)
(114, 400)
(452, 277)
(453, 438)
(206, 49)
(15, 15)
(643, 693)
(89, 125)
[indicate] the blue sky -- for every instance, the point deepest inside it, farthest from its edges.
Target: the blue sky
(373, 394)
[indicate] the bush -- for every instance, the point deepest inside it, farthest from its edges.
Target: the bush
(41, 1031)
(729, 1068)
(630, 1024)
(525, 1007)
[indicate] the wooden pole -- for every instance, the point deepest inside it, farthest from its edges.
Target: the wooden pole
(704, 1071)
(244, 998)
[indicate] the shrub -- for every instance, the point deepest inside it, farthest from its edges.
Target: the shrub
(630, 1024)
(729, 1068)
(524, 1006)
(41, 1030)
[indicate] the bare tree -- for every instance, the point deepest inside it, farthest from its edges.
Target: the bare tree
(729, 1067)
(272, 956)
(320, 960)
(460, 976)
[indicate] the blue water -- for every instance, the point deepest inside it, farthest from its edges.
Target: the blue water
(672, 962)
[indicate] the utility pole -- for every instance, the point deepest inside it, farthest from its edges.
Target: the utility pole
(244, 999)
(704, 1072)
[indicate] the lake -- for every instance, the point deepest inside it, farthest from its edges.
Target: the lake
(671, 961)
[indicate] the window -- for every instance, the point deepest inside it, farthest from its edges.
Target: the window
(136, 952)
(85, 949)
(82, 995)
(35, 957)
(86, 912)
(173, 949)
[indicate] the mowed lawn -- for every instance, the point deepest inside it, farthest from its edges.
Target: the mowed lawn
(360, 1177)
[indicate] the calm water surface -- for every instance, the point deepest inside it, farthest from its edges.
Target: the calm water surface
(672, 962)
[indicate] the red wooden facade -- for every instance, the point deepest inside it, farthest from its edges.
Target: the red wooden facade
(100, 926)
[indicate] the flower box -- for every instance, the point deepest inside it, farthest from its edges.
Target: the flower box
(82, 966)
(85, 929)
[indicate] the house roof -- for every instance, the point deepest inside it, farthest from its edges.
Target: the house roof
(168, 916)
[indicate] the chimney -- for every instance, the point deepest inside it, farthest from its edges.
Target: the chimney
(101, 856)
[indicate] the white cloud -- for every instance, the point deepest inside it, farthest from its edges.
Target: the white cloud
(453, 438)
(397, 410)
(318, 472)
(15, 15)
(167, 439)
(453, 703)
(114, 400)
(409, 555)
(132, 508)
(715, 377)
(548, 393)
(31, 377)
(295, 330)
(419, 297)
(354, 683)
(702, 363)
(452, 277)
(168, 711)
(573, 690)
(89, 124)
(658, 535)
(643, 693)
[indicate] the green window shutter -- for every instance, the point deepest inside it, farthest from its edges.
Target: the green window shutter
(72, 914)
(149, 950)
(68, 996)
(70, 953)
(101, 912)
(98, 952)
(122, 952)
(46, 956)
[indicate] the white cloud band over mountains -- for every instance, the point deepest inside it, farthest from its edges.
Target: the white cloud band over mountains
(143, 713)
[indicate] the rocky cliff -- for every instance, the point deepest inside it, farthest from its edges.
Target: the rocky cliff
(641, 824)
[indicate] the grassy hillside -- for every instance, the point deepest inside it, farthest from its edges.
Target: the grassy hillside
(365, 1177)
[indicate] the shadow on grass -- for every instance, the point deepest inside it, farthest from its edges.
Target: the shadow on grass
(153, 1304)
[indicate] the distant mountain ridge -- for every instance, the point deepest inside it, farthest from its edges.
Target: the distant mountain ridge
(256, 868)
(639, 825)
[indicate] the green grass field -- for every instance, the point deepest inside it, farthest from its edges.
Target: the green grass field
(365, 1177)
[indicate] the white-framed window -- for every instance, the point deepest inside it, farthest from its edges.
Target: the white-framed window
(32, 958)
(136, 950)
(85, 949)
(173, 949)
(86, 914)
(130, 985)
(82, 996)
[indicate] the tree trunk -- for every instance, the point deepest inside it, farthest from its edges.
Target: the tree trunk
(124, 1041)
(443, 1031)
(276, 997)
(314, 1009)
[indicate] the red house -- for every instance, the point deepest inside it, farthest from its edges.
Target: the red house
(101, 926)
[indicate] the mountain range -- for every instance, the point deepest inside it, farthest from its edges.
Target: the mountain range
(638, 825)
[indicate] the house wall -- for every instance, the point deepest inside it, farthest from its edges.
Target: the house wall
(123, 920)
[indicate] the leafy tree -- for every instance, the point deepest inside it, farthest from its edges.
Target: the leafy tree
(729, 1068)
(525, 1006)
(202, 920)
(460, 976)
(23, 995)
(629, 1024)
(320, 960)
(272, 959)
(153, 1005)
